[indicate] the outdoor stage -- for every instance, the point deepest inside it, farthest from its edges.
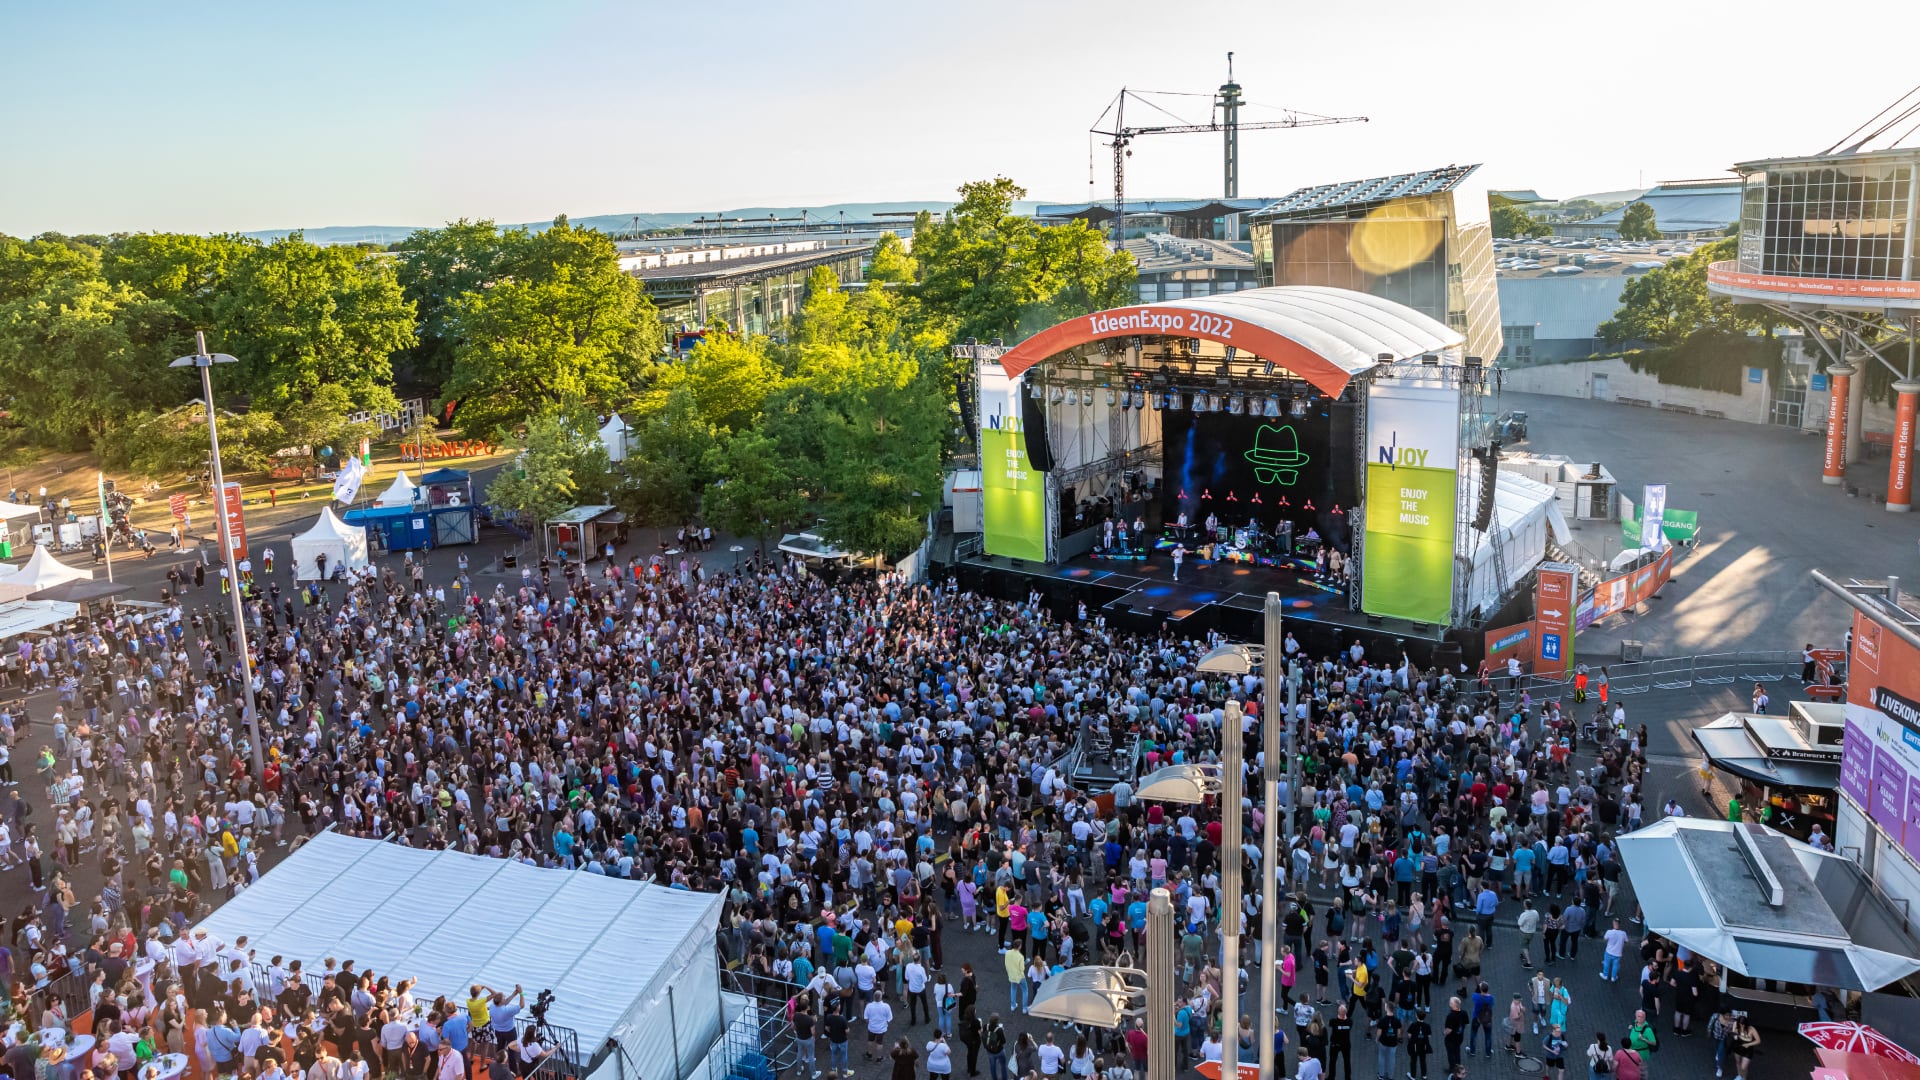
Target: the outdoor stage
(1142, 595)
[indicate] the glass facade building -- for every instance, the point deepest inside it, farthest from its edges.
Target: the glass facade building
(1845, 218)
(1413, 248)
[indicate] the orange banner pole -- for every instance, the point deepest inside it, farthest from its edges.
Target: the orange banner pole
(1839, 385)
(1900, 472)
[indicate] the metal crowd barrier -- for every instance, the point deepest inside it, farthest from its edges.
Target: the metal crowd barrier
(1672, 673)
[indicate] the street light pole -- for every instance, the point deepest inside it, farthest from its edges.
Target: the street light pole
(205, 361)
(1273, 724)
(1232, 858)
(1161, 941)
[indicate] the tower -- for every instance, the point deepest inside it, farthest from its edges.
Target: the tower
(1228, 101)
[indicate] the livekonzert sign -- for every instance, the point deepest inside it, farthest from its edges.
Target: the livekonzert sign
(1412, 475)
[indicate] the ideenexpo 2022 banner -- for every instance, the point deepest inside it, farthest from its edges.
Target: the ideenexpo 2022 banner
(1013, 497)
(1413, 449)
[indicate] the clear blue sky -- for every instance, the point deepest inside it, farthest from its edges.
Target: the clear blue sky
(238, 116)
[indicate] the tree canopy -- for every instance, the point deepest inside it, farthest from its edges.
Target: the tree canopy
(1637, 222)
(560, 325)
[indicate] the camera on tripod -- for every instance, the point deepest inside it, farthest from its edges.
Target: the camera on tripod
(539, 1008)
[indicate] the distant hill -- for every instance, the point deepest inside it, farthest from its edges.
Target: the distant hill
(621, 223)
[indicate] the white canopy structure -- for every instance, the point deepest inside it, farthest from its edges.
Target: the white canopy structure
(43, 571)
(400, 493)
(342, 544)
(624, 959)
(11, 510)
(1526, 516)
(20, 616)
(1767, 905)
(613, 436)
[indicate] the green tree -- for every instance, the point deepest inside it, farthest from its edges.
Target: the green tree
(437, 267)
(562, 464)
(1637, 222)
(669, 445)
(1666, 305)
(987, 272)
(174, 442)
(30, 267)
(870, 426)
(1511, 220)
(826, 318)
(187, 272)
(565, 328)
(727, 380)
(756, 490)
(81, 357)
(300, 316)
(324, 420)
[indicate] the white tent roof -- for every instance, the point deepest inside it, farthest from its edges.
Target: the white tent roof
(613, 436)
(21, 616)
(399, 493)
(607, 947)
(10, 510)
(43, 571)
(331, 528)
(1526, 515)
(1767, 905)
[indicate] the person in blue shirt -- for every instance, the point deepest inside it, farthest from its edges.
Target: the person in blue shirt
(454, 1030)
(563, 847)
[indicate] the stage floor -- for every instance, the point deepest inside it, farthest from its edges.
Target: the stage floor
(1151, 586)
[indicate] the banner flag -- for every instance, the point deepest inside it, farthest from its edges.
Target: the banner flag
(1413, 461)
(1013, 493)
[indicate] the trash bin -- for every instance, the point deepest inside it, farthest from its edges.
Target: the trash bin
(1632, 652)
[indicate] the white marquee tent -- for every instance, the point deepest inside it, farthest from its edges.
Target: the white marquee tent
(625, 960)
(613, 436)
(400, 493)
(1525, 517)
(9, 511)
(43, 571)
(343, 544)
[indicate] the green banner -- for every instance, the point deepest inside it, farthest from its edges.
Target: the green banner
(1408, 570)
(1678, 526)
(1013, 494)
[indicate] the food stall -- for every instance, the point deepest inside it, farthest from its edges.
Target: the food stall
(1785, 768)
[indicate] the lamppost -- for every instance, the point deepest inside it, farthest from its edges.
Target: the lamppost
(1191, 784)
(204, 361)
(1278, 750)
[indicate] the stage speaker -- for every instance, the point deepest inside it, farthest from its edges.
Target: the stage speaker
(1448, 656)
(1033, 422)
(1373, 620)
(1066, 510)
(1489, 477)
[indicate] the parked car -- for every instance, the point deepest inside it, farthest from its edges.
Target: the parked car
(1510, 427)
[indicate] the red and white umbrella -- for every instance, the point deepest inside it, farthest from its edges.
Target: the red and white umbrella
(1855, 1038)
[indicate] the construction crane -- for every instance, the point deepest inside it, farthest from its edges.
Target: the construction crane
(1225, 119)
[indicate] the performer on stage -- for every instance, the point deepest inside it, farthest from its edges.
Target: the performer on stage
(1179, 554)
(1107, 535)
(1213, 526)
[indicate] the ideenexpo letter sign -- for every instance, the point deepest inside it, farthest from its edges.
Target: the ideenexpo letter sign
(1149, 320)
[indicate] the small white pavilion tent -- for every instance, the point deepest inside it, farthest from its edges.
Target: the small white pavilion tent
(400, 493)
(43, 571)
(342, 544)
(626, 960)
(613, 436)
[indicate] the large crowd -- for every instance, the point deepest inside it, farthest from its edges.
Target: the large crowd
(867, 769)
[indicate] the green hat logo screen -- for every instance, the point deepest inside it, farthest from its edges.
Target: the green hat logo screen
(1276, 455)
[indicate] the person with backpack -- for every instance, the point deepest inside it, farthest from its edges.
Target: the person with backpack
(1599, 1057)
(1482, 1023)
(1642, 1036)
(995, 1042)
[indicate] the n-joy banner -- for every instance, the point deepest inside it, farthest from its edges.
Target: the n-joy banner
(1413, 459)
(1013, 502)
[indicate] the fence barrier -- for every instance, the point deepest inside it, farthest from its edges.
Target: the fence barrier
(1673, 673)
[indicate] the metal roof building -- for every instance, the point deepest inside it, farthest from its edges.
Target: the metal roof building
(1680, 208)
